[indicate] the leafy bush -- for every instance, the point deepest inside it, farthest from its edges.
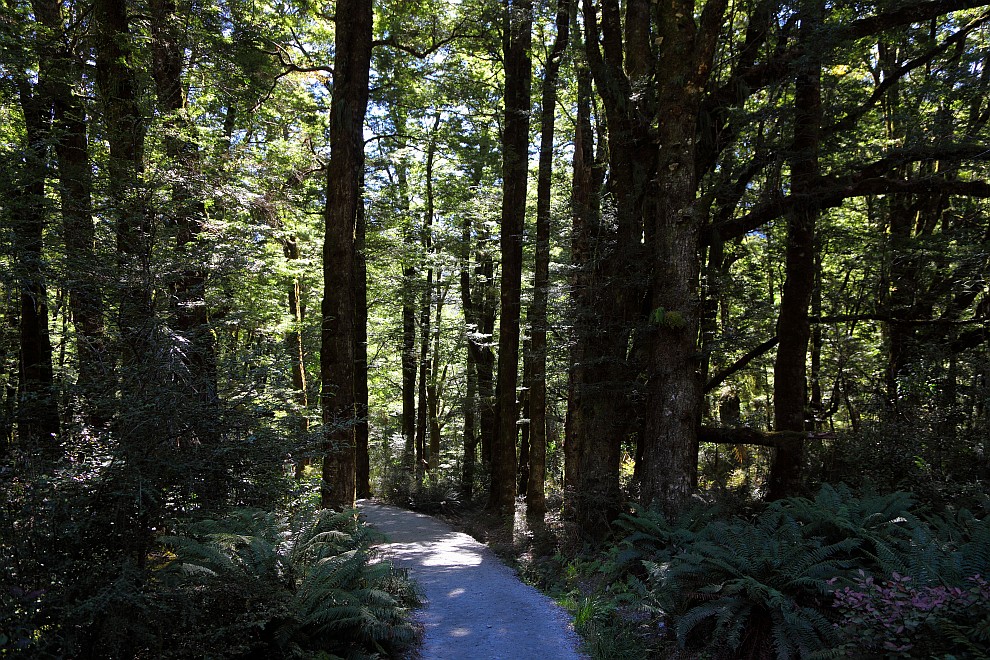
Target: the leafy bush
(773, 585)
(256, 584)
(895, 616)
(746, 590)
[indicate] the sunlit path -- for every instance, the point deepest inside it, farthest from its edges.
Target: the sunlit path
(475, 607)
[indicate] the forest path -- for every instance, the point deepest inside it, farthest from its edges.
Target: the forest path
(476, 608)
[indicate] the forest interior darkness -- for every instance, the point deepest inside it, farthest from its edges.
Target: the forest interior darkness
(671, 272)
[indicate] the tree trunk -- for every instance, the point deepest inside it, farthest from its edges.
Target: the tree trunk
(422, 412)
(793, 329)
(428, 388)
(612, 275)
(674, 388)
(474, 347)
(537, 382)
(362, 429)
(139, 493)
(584, 217)
(37, 411)
(63, 70)
(515, 161)
(470, 436)
(523, 426)
(409, 455)
(294, 344)
(349, 103)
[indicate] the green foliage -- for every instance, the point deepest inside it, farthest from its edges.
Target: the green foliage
(256, 583)
(748, 587)
(882, 617)
(766, 585)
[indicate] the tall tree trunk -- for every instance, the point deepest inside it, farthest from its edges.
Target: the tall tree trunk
(37, 411)
(515, 161)
(349, 102)
(537, 382)
(63, 71)
(362, 429)
(294, 344)
(433, 388)
(816, 403)
(480, 307)
(140, 496)
(428, 367)
(522, 427)
(903, 265)
(426, 306)
(470, 425)
(474, 346)
(584, 217)
(793, 329)
(479, 315)
(612, 286)
(674, 389)
(409, 456)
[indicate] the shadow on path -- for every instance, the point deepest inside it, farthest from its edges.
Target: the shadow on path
(476, 607)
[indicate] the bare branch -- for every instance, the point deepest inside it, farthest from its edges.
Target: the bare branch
(740, 364)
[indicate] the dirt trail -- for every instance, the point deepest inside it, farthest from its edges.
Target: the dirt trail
(476, 607)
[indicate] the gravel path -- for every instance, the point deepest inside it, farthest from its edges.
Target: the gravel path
(476, 607)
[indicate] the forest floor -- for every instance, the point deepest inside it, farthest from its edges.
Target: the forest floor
(475, 606)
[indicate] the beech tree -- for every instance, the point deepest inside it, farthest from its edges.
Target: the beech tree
(352, 62)
(515, 158)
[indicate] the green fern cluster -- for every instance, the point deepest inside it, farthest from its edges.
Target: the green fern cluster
(763, 588)
(255, 584)
(749, 589)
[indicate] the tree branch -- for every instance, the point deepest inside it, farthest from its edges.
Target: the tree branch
(740, 364)
(904, 15)
(748, 436)
(870, 179)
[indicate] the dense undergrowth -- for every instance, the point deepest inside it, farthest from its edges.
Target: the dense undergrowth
(249, 583)
(843, 574)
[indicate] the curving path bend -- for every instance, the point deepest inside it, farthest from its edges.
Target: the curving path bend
(476, 608)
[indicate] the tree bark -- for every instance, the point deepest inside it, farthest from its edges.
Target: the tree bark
(515, 161)
(470, 425)
(139, 493)
(793, 328)
(425, 311)
(537, 382)
(584, 217)
(674, 388)
(362, 428)
(612, 276)
(63, 70)
(523, 426)
(409, 456)
(429, 425)
(37, 410)
(187, 209)
(349, 103)
(478, 308)
(294, 344)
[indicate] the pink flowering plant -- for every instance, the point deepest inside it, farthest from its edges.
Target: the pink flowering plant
(898, 617)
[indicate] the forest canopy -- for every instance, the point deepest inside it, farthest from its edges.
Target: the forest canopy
(278, 254)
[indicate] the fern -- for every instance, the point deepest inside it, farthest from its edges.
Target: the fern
(292, 587)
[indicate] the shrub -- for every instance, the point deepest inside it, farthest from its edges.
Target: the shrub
(767, 586)
(258, 584)
(749, 589)
(897, 617)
